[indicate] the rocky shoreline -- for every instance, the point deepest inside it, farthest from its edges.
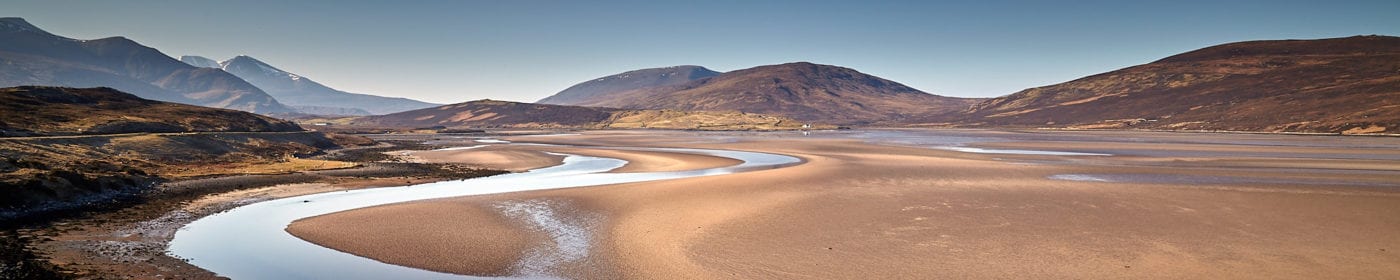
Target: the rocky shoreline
(125, 238)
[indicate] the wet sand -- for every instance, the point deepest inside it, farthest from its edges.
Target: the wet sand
(859, 210)
(522, 158)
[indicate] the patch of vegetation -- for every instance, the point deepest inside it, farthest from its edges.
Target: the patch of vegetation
(703, 120)
(49, 174)
(17, 261)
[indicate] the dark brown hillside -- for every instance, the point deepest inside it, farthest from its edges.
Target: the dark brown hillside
(492, 113)
(50, 111)
(603, 90)
(1343, 85)
(72, 148)
(803, 91)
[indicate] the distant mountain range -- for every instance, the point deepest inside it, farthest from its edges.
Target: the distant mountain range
(32, 56)
(803, 91)
(1341, 85)
(1346, 85)
(306, 95)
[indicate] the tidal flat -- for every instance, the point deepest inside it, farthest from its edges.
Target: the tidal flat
(911, 204)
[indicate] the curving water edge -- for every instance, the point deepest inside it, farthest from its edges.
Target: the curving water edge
(250, 242)
(1019, 152)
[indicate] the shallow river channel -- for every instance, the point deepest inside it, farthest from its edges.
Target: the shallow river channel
(250, 242)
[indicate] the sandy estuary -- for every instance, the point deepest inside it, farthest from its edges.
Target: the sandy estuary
(265, 245)
(889, 204)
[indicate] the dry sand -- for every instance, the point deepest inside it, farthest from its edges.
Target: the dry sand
(494, 245)
(490, 157)
(856, 210)
(485, 247)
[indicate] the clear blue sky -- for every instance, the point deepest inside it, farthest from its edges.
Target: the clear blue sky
(454, 51)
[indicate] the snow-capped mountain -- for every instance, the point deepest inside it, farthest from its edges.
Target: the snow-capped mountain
(32, 56)
(300, 92)
(248, 64)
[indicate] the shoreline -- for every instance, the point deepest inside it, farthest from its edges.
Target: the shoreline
(130, 241)
(1242, 132)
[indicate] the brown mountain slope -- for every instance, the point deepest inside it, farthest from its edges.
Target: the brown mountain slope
(600, 90)
(494, 114)
(48, 111)
(803, 91)
(1346, 85)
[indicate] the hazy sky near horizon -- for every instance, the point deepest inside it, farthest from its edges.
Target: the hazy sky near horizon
(454, 51)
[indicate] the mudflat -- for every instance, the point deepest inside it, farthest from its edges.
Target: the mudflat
(1162, 205)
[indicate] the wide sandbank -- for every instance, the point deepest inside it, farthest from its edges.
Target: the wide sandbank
(860, 210)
